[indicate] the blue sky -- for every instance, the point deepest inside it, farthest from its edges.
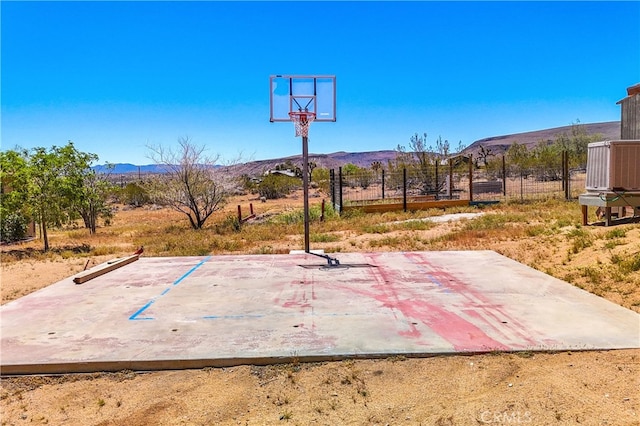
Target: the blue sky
(115, 77)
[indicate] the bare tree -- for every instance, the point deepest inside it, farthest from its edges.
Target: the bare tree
(376, 166)
(424, 155)
(189, 183)
(426, 159)
(483, 154)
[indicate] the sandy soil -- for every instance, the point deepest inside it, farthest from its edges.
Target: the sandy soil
(594, 388)
(590, 388)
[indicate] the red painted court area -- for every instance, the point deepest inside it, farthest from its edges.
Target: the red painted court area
(189, 312)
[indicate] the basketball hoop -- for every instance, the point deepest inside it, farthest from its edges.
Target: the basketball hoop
(303, 99)
(302, 120)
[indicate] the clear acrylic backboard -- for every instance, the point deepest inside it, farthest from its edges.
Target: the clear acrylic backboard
(302, 93)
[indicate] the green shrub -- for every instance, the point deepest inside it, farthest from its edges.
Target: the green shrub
(593, 274)
(627, 263)
(320, 176)
(353, 214)
(229, 224)
(277, 186)
(581, 240)
(13, 227)
(416, 225)
(324, 238)
(377, 228)
(134, 195)
(616, 233)
(386, 241)
(493, 221)
(297, 216)
(580, 243)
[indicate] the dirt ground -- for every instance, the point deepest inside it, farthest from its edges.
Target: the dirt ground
(591, 388)
(568, 388)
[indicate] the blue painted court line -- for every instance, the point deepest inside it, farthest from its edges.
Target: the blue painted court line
(135, 317)
(233, 316)
(287, 314)
(141, 310)
(431, 277)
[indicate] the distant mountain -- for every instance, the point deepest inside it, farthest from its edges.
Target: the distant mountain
(609, 130)
(498, 144)
(126, 168)
(329, 161)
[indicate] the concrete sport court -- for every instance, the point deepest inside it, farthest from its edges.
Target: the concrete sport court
(192, 312)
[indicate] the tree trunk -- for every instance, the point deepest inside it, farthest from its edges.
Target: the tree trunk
(92, 220)
(86, 218)
(45, 236)
(192, 222)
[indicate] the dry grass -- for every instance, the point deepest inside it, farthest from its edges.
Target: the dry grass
(543, 234)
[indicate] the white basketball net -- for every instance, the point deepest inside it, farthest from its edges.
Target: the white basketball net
(302, 120)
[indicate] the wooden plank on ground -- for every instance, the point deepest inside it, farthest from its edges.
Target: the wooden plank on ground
(388, 207)
(440, 204)
(104, 268)
(393, 200)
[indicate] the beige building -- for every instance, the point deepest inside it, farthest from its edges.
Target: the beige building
(630, 113)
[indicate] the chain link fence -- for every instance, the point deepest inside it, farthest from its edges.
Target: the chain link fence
(414, 188)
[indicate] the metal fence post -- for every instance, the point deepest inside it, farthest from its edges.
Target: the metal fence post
(565, 174)
(340, 188)
(437, 185)
(332, 187)
(383, 184)
(504, 177)
(470, 177)
(404, 189)
(450, 179)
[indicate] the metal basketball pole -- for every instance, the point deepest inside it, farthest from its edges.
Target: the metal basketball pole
(333, 262)
(305, 186)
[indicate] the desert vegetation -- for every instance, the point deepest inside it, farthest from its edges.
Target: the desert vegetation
(191, 210)
(539, 388)
(57, 186)
(545, 235)
(597, 387)
(52, 187)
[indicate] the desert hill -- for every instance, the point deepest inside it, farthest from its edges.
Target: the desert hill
(608, 130)
(329, 161)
